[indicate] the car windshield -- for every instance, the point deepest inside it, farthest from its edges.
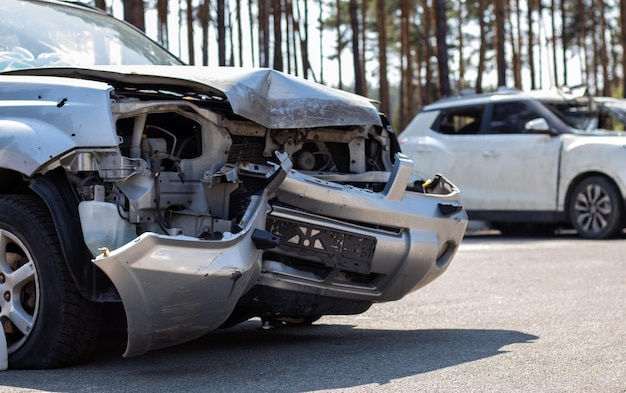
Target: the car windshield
(30, 37)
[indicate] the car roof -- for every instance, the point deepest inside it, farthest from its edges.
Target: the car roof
(476, 99)
(506, 95)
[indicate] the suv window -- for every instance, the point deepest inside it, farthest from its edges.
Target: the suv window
(460, 120)
(511, 118)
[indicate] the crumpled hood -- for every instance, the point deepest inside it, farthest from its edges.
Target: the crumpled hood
(268, 97)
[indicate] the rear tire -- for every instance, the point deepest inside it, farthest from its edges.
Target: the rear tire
(46, 321)
(596, 208)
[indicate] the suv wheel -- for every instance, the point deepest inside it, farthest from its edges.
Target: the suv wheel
(47, 323)
(596, 208)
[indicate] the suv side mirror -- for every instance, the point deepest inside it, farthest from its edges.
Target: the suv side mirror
(539, 125)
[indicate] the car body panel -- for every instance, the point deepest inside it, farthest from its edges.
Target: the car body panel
(266, 96)
(44, 117)
(592, 154)
(508, 166)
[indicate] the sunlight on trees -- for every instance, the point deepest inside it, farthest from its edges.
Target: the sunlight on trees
(404, 53)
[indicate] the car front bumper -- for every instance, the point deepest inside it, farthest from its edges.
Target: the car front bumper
(347, 242)
(342, 242)
(178, 288)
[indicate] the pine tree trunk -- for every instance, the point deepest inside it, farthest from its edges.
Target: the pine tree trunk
(278, 36)
(460, 38)
(264, 32)
(516, 39)
(564, 42)
(500, 14)
(190, 40)
(383, 82)
(531, 44)
(356, 52)
(221, 32)
(339, 44)
(162, 34)
(134, 13)
(363, 45)
(622, 20)
(555, 68)
(441, 28)
(239, 33)
(483, 46)
(205, 18)
(604, 55)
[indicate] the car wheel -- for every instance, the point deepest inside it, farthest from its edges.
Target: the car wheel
(596, 208)
(47, 323)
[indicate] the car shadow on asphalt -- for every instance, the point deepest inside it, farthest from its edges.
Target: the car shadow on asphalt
(286, 359)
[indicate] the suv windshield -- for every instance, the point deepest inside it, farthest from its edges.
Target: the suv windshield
(30, 37)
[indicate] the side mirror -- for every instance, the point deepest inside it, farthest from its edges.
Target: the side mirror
(539, 125)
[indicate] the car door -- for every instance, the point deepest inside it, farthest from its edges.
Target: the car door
(497, 164)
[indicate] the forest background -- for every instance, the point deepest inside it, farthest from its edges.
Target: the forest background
(403, 53)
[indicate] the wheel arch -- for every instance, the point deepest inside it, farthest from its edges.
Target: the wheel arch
(56, 192)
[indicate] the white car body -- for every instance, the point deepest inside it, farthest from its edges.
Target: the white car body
(527, 176)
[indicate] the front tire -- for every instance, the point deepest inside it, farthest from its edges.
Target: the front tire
(596, 208)
(47, 323)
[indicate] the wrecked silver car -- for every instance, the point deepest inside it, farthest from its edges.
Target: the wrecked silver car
(195, 197)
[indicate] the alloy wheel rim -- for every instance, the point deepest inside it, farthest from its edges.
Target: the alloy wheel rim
(19, 290)
(593, 208)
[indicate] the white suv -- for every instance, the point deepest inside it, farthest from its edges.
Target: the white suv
(518, 164)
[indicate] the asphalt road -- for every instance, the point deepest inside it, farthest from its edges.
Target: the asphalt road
(510, 315)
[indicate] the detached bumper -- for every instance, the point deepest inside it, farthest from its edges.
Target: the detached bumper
(347, 242)
(176, 289)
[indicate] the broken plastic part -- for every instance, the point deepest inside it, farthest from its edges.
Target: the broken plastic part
(264, 240)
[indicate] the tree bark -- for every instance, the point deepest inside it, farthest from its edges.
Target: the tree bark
(483, 46)
(516, 38)
(404, 59)
(205, 18)
(278, 36)
(604, 56)
(356, 51)
(162, 33)
(383, 82)
(428, 90)
(500, 17)
(555, 68)
(461, 39)
(264, 33)
(221, 33)
(441, 28)
(622, 20)
(134, 11)
(239, 33)
(321, 22)
(364, 45)
(531, 44)
(190, 35)
(564, 42)
(339, 43)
